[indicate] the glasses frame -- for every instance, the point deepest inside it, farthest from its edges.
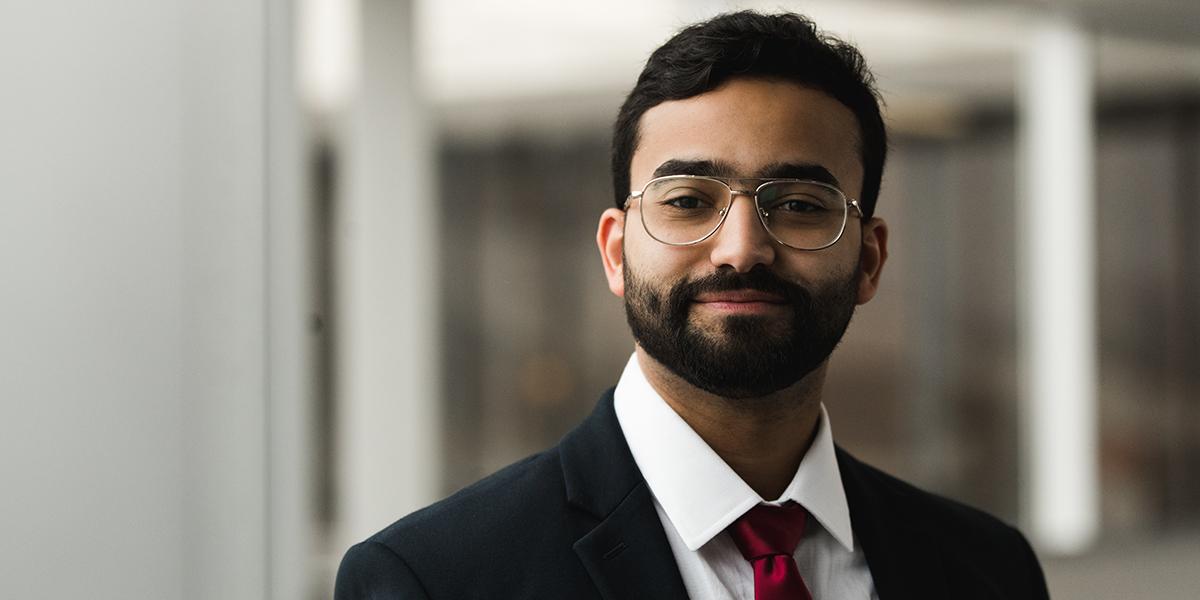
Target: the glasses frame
(733, 194)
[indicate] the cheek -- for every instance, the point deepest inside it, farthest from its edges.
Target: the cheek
(651, 258)
(845, 254)
(816, 269)
(671, 266)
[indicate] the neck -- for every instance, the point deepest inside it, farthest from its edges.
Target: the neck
(762, 439)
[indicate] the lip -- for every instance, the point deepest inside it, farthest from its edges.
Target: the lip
(740, 301)
(739, 297)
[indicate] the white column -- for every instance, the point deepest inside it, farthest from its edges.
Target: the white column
(388, 397)
(223, 218)
(1057, 294)
(289, 307)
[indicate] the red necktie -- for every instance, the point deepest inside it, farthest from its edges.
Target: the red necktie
(767, 536)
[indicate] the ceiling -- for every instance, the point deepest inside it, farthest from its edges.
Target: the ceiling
(528, 62)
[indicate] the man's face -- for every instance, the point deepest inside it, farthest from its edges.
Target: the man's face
(740, 315)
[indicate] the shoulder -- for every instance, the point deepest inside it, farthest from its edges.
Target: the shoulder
(531, 484)
(937, 513)
(502, 530)
(371, 570)
(976, 550)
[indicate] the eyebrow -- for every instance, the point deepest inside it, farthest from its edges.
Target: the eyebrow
(706, 168)
(810, 171)
(780, 170)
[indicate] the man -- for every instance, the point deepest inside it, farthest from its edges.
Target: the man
(747, 162)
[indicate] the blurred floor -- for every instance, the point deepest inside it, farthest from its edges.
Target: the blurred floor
(1152, 568)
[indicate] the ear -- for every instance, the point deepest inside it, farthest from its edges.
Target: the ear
(874, 254)
(610, 237)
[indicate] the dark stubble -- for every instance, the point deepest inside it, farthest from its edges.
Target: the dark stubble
(744, 356)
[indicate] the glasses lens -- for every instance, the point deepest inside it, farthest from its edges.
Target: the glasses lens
(803, 214)
(681, 210)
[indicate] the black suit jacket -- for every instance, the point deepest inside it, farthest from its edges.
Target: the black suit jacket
(577, 521)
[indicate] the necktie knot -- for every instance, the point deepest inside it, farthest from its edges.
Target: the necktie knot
(767, 537)
(767, 530)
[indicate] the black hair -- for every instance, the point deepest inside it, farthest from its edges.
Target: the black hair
(785, 46)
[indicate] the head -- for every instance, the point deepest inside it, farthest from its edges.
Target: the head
(746, 97)
(785, 46)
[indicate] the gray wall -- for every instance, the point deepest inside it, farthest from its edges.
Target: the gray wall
(147, 446)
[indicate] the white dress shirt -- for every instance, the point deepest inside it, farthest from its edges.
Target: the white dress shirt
(697, 496)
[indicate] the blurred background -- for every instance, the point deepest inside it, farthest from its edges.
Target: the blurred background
(276, 273)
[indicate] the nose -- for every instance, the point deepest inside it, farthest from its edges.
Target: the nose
(742, 242)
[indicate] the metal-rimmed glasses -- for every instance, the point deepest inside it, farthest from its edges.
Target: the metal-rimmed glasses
(683, 210)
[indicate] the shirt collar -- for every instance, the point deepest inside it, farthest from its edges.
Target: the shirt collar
(699, 493)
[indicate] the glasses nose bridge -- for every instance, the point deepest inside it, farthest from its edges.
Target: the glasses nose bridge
(752, 196)
(735, 192)
(750, 193)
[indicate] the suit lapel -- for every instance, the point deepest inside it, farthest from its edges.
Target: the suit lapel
(626, 554)
(904, 561)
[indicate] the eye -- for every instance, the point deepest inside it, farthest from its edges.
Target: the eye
(684, 202)
(799, 205)
(684, 198)
(799, 200)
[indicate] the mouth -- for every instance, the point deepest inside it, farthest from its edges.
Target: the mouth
(740, 302)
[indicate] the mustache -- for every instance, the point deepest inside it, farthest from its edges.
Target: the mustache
(759, 279)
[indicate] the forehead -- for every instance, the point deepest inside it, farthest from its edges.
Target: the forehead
(750, 125)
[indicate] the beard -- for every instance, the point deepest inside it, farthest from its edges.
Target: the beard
(741, 356)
